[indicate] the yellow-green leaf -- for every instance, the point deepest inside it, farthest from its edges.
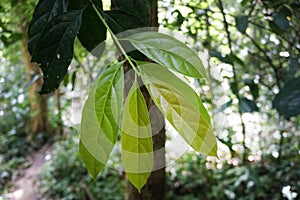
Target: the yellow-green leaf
(181, 106)
(95, 166)
(108, 100)
(137, 147)
(99, 129)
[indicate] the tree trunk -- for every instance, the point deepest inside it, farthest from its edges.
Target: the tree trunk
(39, 121)
(155, 187)
(60, 124)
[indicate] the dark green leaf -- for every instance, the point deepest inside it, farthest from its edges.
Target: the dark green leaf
(241, 23)
(138, 8)
(236, 59)
(54, 51)
(287, 101)
(284, 10)
(225, 105)
(244, 2)
(66, 79)
(253, 87)
(275, 28)
(92, 31)
(180, 18)
(225, 59)
(120, 21)
(294, 67)
(234, 88)
(281, 21)
(216, 54)
(73, 79)
(247, 105)
(43, 13)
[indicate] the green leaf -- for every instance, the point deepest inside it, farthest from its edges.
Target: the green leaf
(244, 2)
(286, 11)
(294, 67)
(92, 31)
(225, 59)
(43, 13)
(54, 50)
(108, 100)
(73, 79)
(234, 88)
(180, 18)
(94, 166)
(275, 28)
(181, 106)
(216, 54)
(247, 105)
(137, 147)
(138, 8)
(120, 21)
(97, 140)
(287, 101)
(172, 54)
(225, 105)
(281, 21)
(236, 59)
(241, 23)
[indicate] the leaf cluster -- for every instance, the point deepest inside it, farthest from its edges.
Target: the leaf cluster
(52, 32)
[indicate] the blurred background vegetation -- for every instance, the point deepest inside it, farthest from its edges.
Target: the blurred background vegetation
(252, 53)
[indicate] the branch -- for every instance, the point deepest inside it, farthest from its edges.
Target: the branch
(268, 59)
(221, 7)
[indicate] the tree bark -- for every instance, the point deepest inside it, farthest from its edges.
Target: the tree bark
(155, 187)
(39, 121)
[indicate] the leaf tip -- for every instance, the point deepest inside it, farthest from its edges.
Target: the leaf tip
(214, 151)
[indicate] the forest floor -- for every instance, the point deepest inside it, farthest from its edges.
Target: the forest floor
(25, 187)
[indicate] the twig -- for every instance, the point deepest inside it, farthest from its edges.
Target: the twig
(268, 59)
(87, 192)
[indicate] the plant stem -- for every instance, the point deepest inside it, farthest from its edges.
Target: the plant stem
(115, 39)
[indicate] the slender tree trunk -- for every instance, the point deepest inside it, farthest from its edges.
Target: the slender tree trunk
(155, 187)
(60, 124)
(38, 103)
(39, 121)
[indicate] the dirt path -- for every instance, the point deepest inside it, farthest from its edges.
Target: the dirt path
(25, 188)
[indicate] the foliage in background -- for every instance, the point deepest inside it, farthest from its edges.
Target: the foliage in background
(257, 39)
(14, 115)
(274, 158)
(193, 177)
(64, 176)
(255, 47)
(15, 110)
